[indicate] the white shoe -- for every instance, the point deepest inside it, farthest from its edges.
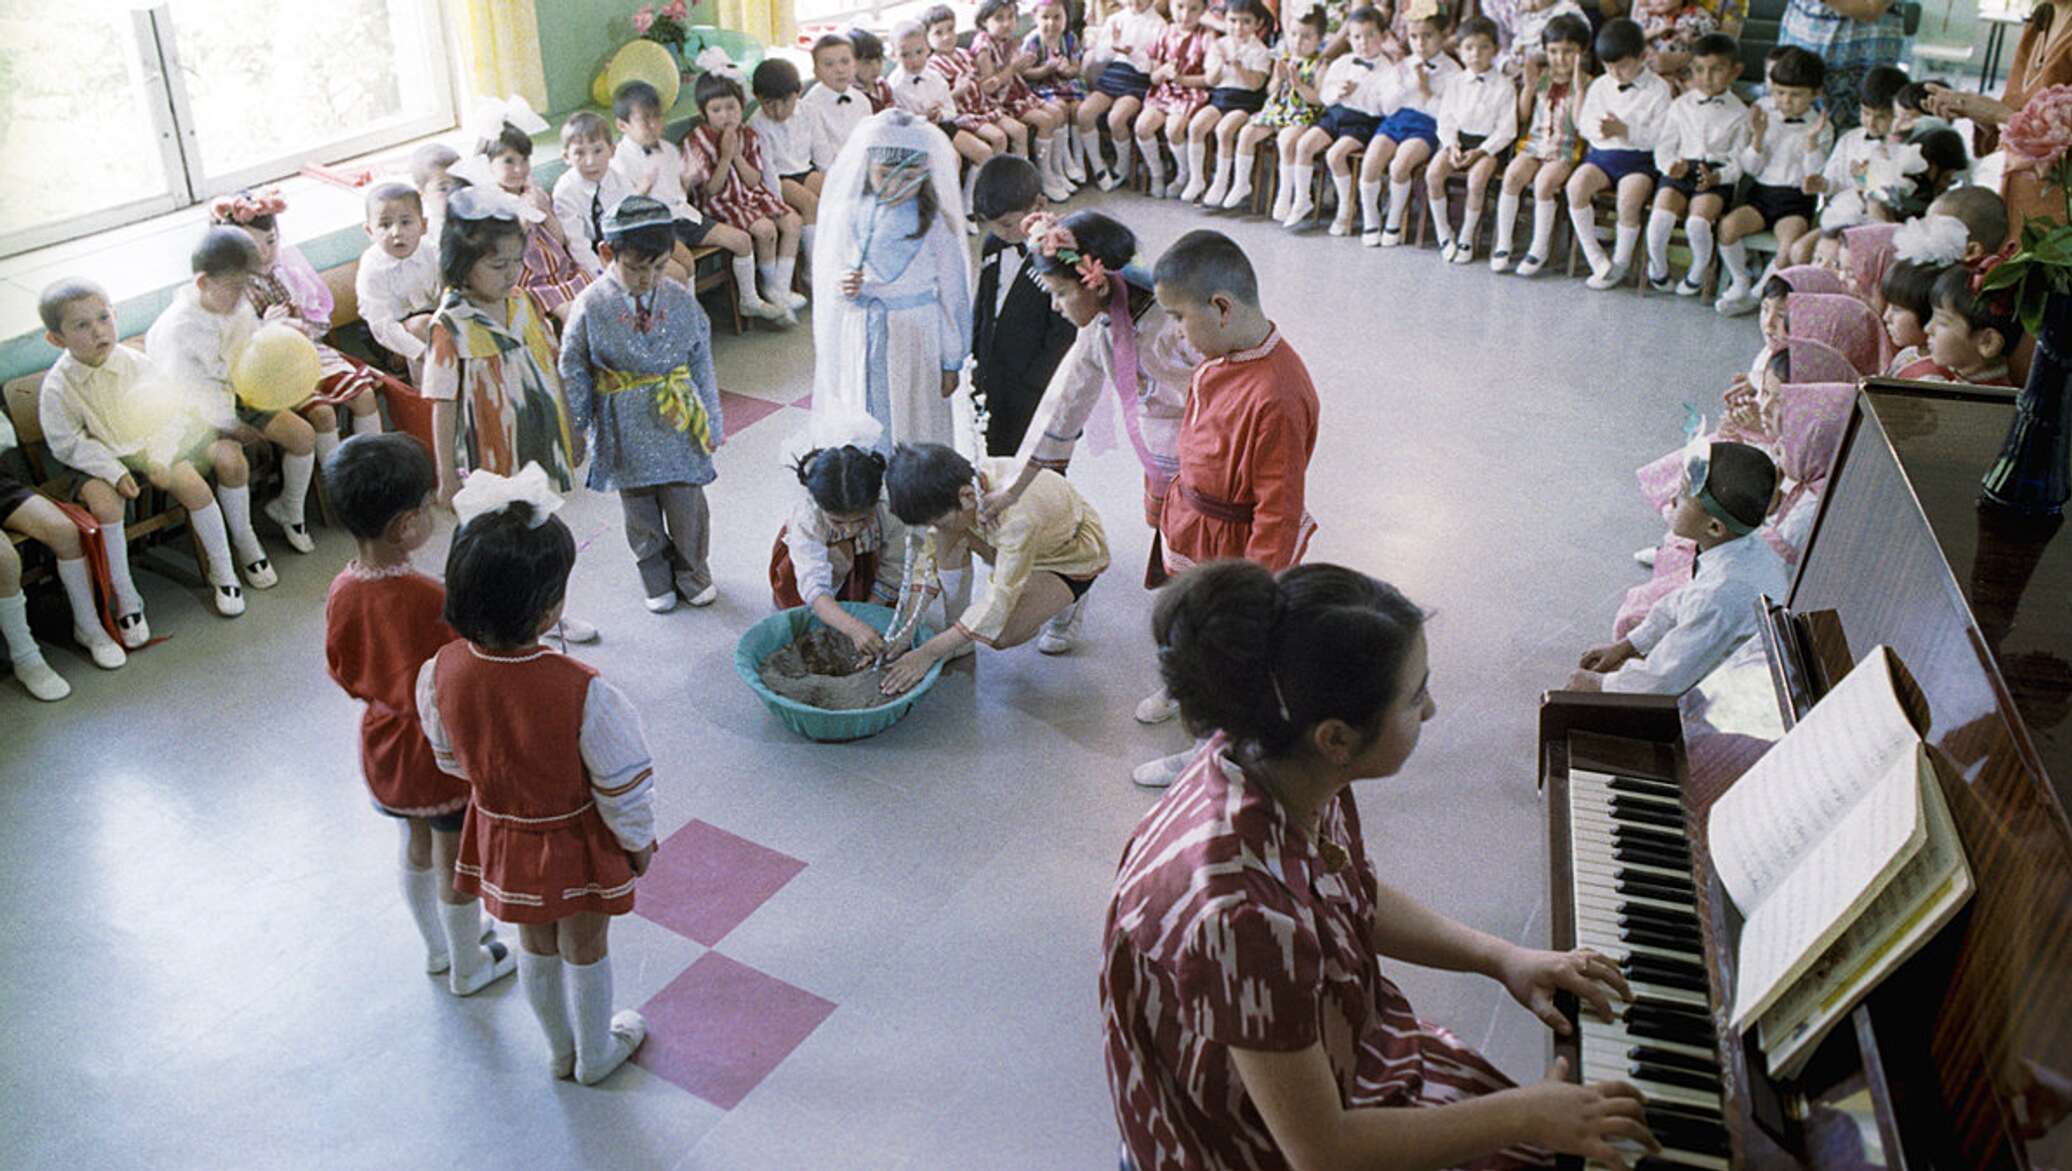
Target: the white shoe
(1192, 193)
(106, 653)
(662, 603)
(753, 305)
(1161, 773)
(1061, 633)
(292, 528)
(1661, 284)
(793, 300)
(1737, 304)
(1370, 239)
(1215, 195)
(1300, 210)
(1158, 190)
(1283, 199)
(135, 630)
(1343, 226)
(577, 630)
(1689, 287)
(1463, 252)
(1057, 188)
(1240, 195)
(1390, 237)
(1607, 277)
(1500, 262)
(1531, 265)
(1110, 180)
(42, 682)
(1074, 173)
(502, 962)
(230, 600)
(1645, 556)
(1157, 708)
(704, 597)
(438, 963)
(629, 1029)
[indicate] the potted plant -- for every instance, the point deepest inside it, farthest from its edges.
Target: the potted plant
(667, 25)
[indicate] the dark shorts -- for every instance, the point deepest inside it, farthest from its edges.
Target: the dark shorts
(1688, 185)
(445, 823)
(1779, 203)
(1230, 97)
(799, 177)
(691, 235)
(1617, 164)
(1123, 80)
(1407, 124)
(1078, 585)
(1475, 141)
(950, 128)
(1346, 122)
(13, 494)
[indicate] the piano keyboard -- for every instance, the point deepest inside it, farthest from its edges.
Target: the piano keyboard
(1634, 902)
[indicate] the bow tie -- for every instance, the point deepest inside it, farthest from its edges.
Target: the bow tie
(651, 149)
(1363, 63)
(1626, 85)
(1793, 121)
(842, 101)
(1020, 249)
(1479, 78)
(1711, 101)
(1427, 66)
(914, 80)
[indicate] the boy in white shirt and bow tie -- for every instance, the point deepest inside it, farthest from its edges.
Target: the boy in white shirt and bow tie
(1700, 161)
(1621, 120)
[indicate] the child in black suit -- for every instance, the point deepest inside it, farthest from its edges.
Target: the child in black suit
(1018, 339)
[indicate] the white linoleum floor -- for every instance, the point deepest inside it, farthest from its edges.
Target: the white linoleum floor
(206, 963)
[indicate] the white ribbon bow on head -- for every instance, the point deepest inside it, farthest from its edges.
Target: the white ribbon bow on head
(480, 200)
(1931, 240)
(715, 60)
(487, 119)
(486, 492)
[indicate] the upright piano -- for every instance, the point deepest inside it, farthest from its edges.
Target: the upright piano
(1963, 1056)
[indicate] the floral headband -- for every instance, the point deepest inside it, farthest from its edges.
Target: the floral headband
(1983, 267)
(1052, 239)
(246, 206)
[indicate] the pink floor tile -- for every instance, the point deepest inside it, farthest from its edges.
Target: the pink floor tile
(719, 1028)
(744, 411)
(705, 881)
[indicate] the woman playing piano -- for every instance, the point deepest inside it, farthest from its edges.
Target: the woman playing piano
(1247, 1020)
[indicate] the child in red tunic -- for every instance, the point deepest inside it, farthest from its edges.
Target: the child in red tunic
(561, 819)
(382, 621)
(735, 183)
(1245, 441)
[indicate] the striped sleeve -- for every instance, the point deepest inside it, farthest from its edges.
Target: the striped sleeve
(434, 729)
(622, 773)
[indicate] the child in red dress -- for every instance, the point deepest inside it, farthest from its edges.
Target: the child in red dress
(562, 818)
(1245, 442)
(734, 182)
(382, 621)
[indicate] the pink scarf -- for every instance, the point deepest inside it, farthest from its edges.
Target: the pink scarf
(1122, 336)
(1813, 361)
(1811, 278)
(1838, 321)
(1870, 254)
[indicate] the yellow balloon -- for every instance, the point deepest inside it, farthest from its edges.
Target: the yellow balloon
(641, 60)
(277, 369)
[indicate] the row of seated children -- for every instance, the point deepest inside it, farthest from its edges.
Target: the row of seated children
(1904, 300)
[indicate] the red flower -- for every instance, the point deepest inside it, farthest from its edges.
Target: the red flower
(643, 20)
(676, 10)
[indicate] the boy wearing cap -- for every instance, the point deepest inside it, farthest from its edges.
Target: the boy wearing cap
(1727, 491)
(636, 367)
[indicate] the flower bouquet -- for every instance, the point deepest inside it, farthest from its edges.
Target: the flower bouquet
(2039, 138)
(665, 24)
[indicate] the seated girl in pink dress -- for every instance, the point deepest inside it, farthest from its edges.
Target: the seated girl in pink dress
(733, 180)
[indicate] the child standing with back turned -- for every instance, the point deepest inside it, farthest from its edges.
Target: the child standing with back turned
(1246, 439)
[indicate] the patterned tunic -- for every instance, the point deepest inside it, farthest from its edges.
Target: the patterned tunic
(1230, 928)
(641, 380)
(738, 202)
(502, 377)
(1056, 88)
(880, 95)
(1553, 137)
(1286, 107)
(1676, 32)
(1187, 52)
(1015, 98)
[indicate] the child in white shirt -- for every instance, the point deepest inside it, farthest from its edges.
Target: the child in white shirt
(1408, 133)
(1478, 122)
(1237, 67)
(835, 107)
(1621, 120)
(787, 138)
(1353, 94)
(1787, 145)
(397, 283)
(24, 510)
(1118, 58)
(588, 191)
(1842, 184)
(1699, 158)
(925, 93)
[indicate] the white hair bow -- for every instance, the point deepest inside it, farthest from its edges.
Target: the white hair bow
(715, 60)
(1931, 240)
(1886, 176)
(487, 119)
(487, 492)
(487, 201)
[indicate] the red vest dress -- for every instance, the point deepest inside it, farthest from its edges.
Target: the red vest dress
(379, 628)
(533, 846)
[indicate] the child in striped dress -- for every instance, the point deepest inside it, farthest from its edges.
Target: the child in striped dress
(560, 819)
(976, 110)
(1179, 87)
(551, 273)
(1000, 67)
(733, 179)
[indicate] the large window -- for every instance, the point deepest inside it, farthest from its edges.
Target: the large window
(111, 111)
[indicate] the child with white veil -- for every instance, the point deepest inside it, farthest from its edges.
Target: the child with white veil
(891, 284)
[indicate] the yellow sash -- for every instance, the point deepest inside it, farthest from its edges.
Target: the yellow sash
(675, 398)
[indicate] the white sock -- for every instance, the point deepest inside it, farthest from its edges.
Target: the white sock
(367, 424)
(421, 896)
(1660, 224)
(806, 242)
(1182, 171)
(463, 925)
(215, 543)
(773, 288)
(590, 992)
(14, 628)
(1733, 258)
(237, 517)
(327, 442)
(1470, 220)
(1198, 160)
(1442, 217)
(787, 269)
(78, 581)
(127, 599)
(1699, 230)
(1153, 160)
(1043, 156)
(1627, 236)
(970, 185)
(547, 993)
(1543, 213)
(1399, 199)
(1123, 159)
(1584, 219)
(1370, 206)
(295, 473)
(1506, 220)
(744, 279)
(1300, 178)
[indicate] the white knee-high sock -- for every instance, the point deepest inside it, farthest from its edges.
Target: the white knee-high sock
(78, 581)
(1399, 199)
(1442, 219)
(237, 518)
(1370, 205)
(1733, 260)
(1300, 179)
(1506, 220)
(1627, 237)
(474, 965)
(1543, 213)
(1124, 161)
(1584, 219)
(327, 442)
(806, 243)
(590, 991)
(1699, 230)
(421, 896)
(541, 979)
(215, 543)
(116, 540)
(295, 473)
(1660, 224)
(1470, 220)
(14, 629)
(970, 184)
(1198, 160)
(1154, 160)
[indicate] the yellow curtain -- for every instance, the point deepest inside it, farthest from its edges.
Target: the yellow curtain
(768, 21)
(500, 47)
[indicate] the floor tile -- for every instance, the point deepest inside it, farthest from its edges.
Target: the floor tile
(704, 881)
(721, 1027)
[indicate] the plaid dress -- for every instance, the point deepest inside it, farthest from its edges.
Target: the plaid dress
(974, 108)
(738, 202)
(551, 273)
(1552, 137)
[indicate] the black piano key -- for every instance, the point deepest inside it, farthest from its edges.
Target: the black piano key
(1651, 837)
(1649, 886)
(1649, 1003)
(1687, 1133)
(1663, 964)
(1658, 1056)
(1686, 1024)
(1632, 812)
(1666, 979)
(1653, 939)
(1645, 785)
(1671, 1076)
(1686, 936)
(1659, 918)
(1652, 1029)
(1627, 855)
(1711, 1115)
(1666, 1161)
(1675, 882)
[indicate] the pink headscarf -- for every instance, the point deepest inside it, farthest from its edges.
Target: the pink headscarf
(1870, 254)
(1811, 417)
(1813, 361)
(1811, 278)
(1838, 321)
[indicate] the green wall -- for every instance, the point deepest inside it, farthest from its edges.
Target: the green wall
(576, 37)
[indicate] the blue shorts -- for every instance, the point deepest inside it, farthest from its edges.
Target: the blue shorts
(1123, 80)
(1346, 122)
(1407, 124)
(1617, 164)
